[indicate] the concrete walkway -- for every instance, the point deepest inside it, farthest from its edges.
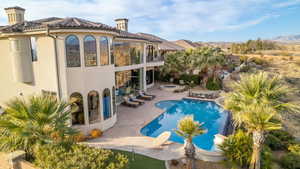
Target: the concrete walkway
(125, 135)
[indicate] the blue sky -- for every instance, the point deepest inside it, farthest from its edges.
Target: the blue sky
(197, 20)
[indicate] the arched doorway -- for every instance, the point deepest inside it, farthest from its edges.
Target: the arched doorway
(77, 109)
(93, 103)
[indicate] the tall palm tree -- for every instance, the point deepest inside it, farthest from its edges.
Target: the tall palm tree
(36, 120)
(255, 100)
(256, 118)
(188, 128)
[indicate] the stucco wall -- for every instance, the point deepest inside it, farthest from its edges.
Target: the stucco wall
(85, 79)
(43, 70)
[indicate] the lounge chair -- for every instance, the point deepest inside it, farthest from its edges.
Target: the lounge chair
(131, 97)
(130, 103)
(143, 96)
(161, 139)
(144, 93)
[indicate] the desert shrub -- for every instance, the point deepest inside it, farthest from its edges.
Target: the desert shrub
(290, 161)
(259, 61)
(279, 140)
(294, 148)
(244, 58)
(213, 83)
(78, 156)
(245, 68)
(237, 149)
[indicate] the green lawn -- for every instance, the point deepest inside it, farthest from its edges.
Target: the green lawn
(138, 161)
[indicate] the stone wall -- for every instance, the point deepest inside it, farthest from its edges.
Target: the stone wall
(14, 160)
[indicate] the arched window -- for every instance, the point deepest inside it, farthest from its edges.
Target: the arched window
(104, 51)
(77, 108)
(93, 103)
(114, 100)
(106, 104)
(90, 51)
(72, 51)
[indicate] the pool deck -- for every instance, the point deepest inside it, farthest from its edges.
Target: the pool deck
(125, 134)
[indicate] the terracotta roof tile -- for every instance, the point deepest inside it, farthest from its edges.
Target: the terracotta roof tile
(56, 23)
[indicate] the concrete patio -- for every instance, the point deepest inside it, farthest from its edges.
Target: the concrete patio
(125, 135)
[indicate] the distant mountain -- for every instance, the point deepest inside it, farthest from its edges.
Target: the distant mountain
(287, 39)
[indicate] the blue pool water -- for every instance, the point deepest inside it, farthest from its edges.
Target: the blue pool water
(212, 115)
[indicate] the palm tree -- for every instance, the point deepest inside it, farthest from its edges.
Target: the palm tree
(256, 118)
(188, 128)
(38, 120)
(255, 100)
(258, 89)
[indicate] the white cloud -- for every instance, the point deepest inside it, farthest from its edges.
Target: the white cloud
(286, 3)
(167, 18)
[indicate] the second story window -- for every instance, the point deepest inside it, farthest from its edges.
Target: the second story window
(90, 51)
(150, 53)
(33, 45)
(104, 51)
(72, 51)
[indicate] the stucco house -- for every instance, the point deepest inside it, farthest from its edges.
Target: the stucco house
(72, 58)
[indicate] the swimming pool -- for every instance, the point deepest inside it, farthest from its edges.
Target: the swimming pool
(213, 116)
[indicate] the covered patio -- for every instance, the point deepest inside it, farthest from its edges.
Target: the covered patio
(125, 135)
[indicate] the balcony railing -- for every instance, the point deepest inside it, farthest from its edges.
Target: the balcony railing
(155, 58)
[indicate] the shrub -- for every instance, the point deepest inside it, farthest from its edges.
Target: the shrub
(295, 149)
(290, 161)
(245, 68)
(244, 58)
(259, 61)
(266, 155)
(174, 162)
(213, 83)
(237, 149)
(80, 137)
(279, 140)
(95, 133)
(79, 157)
(275, 143)
(189, 78)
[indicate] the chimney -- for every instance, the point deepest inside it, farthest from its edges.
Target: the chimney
(122, 24)
(15, 15)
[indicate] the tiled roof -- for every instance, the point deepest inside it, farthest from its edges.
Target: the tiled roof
(56, 23)
(15, 7)
(128, 35)
(164, 45)
(69, 23)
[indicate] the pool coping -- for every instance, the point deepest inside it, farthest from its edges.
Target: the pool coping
(190, 98)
